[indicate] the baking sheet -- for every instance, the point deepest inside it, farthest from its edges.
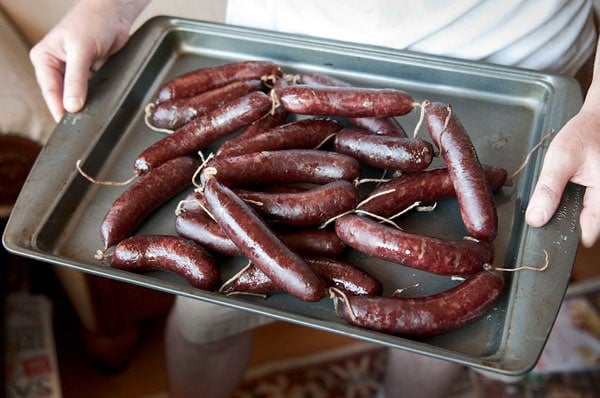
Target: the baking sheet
(57, 216)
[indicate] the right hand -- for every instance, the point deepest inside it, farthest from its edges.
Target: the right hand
(78, 46)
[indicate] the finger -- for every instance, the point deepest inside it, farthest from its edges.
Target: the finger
(77, 71)
(556, 172)
(49, 75)
(589, 219)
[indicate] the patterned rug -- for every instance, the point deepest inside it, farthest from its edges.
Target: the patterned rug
(353, 371)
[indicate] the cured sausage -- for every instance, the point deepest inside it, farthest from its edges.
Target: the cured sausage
(428, 315)
(345, 101)
(312, 207)
(427, 253)
(345, 276)
(384, 151)
(167, 253)
(301, 134)
(337, 273)
(473, 192)
(175, 113)
(145, 195)
(377, 125)
(285, 166)
(272, 119)
(259, 243)
(426, 186)
(199, 227)
(204, 79)
(203, 131)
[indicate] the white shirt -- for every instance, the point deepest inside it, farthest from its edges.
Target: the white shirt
(551, 35)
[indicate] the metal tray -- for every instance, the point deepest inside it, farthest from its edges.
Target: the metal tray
(57, 215)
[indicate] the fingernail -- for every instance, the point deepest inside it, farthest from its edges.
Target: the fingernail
(72, 104)
(536, 216)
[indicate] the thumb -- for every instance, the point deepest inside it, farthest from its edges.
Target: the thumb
(590, 217)
(557, 170)
(77, 71)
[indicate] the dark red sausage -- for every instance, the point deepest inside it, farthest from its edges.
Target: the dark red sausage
(345, 276)
(205, 79)
(175, 113)
(276, 117)
(345, 101)
(301, 134)
(429, 315)
(473, 192)
(314, 242)
(312, 207)
(380, 125)
(425, 186)
(384, 151)
(435, 255)
(167, 253)
(377, 125)
(145, 195)
(250, 280)
(259, 243)
(340, 274)
(203, 131)
(199, 227)
(285, 166)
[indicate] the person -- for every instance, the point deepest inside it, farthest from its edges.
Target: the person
(214, 343)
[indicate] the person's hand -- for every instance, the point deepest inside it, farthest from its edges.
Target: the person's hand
(573, 155)
(77, 46)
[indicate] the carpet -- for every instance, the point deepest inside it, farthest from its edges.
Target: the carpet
(353, 371)
(356, 371)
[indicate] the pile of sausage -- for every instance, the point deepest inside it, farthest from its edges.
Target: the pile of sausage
(281, 191)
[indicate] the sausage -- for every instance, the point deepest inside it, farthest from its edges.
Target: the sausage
(167, 253)
(427, 315)
(435, 255)
(285, 166)
(337, 273)
(426, 186)
(175, 113)
(377, 125)
(345, 101)
(203, 131)
(250, 280)
(312, 207)
(384, 151)
(380, 125)
(314, 242)
(199, 227)
(145, 195)
(272, 119)
(259, 243)
(204, 79)
(345, 276)
(301, 134)
(473, 192)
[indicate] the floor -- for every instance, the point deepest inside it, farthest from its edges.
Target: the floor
(145, 376)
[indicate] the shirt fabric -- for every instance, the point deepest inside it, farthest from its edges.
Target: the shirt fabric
(551, 35)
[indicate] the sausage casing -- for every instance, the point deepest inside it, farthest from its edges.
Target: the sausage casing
(384, 151)
(473, 192)
(427, 315)
(259, 243)
(167, 253)
(145, 195)
(431, 254)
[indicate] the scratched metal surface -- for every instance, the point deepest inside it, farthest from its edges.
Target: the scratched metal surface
(57, 216)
